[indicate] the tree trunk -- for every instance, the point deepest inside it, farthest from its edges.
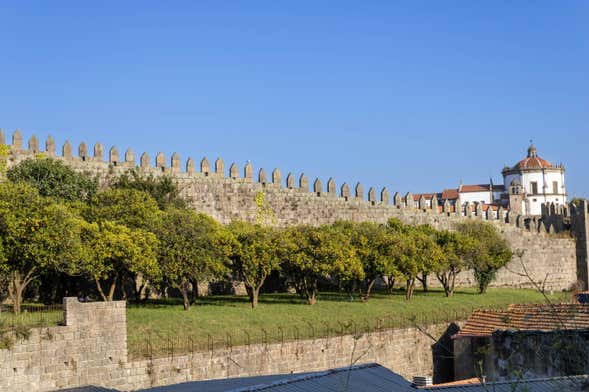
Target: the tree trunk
(16, 288)
(311, 292)
(390, 282)
(423, 281)
(185, 297)
(255, 293)
(111, 291)
(409, 288)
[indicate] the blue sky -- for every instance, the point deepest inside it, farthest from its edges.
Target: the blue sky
(412, 95)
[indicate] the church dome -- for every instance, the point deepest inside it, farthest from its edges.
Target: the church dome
(532, 161)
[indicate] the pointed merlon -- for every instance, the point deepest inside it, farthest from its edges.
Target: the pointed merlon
(248, 171)
(205, 166)
(190, 166)
(359, 191)
(233, 171)
(145, 161)
(331, 186)
(98, 152)
(34, 145)
(220, 167)
(276, 177)
(113, 155)
(16, 141)
(66, 150)
(345, 191)
(304, 183)
(50, 146)
(290, 181)
(160, 160)
(262, 178)
(130, 157)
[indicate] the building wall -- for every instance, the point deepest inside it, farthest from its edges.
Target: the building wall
(545, 192)
(92, 350)
(287, 200)
(476, 197)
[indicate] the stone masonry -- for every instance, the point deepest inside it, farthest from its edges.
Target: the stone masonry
(551, 257)
(91, 349)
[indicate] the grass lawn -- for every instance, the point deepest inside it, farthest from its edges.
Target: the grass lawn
(223, 320)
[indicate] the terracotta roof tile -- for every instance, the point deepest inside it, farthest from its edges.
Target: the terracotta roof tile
(524, 317)
(450, 194)
(533, 163)
(475, 188)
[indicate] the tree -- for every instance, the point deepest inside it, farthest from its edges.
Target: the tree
(416, 252)
(164, 189)
(488, 253)
(455, 247)
(129, 207)
(254, 256)
(132, 208)
(312, 253)
(37, 235)
(53, 178)
(113, 250)
(374, 246)
(430, 253)
(193, 247)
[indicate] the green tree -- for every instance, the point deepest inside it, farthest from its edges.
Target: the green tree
(114, 250)
(164, 189)
(313, 253)
(375, 247)
(488, 253)
(428, 251)
(37, 235)
(132, 208)
(455, 247)
(415, 252)
(255, 255)
(54, 179)
(193, 247)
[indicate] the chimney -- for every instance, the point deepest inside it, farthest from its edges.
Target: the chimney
(422, 381)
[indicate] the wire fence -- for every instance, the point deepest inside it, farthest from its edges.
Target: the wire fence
(154, 346)
(31, 316)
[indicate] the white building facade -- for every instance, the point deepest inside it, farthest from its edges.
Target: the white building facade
(532, 182)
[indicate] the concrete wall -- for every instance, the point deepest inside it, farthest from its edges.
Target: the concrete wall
(92, 350)
(299, 201)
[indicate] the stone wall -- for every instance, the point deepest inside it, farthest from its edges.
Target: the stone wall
(549, 257)
(91, 349)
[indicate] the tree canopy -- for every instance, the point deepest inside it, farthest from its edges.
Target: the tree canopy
(52, 178)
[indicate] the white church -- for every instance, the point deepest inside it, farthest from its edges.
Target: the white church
(527, 185)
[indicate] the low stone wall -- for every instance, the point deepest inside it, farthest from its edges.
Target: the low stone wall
(404, 351)
(91, 349)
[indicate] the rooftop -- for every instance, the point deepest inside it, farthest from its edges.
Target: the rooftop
(522, 317)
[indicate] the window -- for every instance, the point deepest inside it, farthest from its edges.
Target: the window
(555, 187)
(534, 188)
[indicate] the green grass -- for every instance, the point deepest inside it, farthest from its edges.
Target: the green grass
(228, 320)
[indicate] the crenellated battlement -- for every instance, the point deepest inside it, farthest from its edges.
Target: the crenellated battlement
(232, 193)
(187, 172)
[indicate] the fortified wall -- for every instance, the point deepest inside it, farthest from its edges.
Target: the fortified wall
(91, 349)
(550, 255)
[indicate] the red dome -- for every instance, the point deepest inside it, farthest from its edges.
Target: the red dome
(533, 163)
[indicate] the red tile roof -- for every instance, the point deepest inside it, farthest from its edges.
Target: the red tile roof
(525, 317)
(450, 194)
(475, 188)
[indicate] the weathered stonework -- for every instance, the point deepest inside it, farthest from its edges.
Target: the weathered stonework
(550, 258)
(91, 349)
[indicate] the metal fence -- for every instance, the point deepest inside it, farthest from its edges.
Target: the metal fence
(154, 346)
(31, 316)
